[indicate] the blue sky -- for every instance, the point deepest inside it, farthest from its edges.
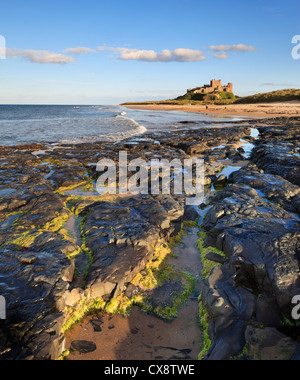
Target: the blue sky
(143, 50)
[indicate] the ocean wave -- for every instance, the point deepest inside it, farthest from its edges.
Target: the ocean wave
(71, 130)
(116, 129)
(55, 124)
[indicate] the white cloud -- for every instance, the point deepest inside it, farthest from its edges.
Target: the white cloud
(128, 54)
(79, 50)
(177, 55)
(239, 48)
(40, 56)
(222, 55)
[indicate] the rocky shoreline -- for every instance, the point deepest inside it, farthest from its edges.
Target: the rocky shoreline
(65, 249)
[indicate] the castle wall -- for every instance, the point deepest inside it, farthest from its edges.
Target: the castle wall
(215, 85)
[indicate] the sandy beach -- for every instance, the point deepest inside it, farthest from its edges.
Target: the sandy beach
(256, 110)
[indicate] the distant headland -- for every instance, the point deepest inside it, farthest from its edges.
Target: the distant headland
(219, 99)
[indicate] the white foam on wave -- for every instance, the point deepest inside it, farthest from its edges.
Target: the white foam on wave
(110, 125)
(138, 126)
(66, 124)
(117, 129)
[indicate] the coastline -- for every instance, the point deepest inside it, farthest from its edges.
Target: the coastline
(78, 252)
(245, 110)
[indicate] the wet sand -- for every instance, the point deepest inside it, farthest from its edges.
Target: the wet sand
(277, 109)
(143, 336)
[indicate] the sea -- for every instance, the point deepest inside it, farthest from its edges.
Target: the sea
(30, 124)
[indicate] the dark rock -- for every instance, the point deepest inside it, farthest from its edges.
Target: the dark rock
(53, 242)
(33, 286)
(269, 344)
(121, 237)
(278, 152)
(212, 256)
(97, 323)
(83, 346)
(196, 148)
(190, 213)
(221, 180)
(163, 296)
(260, 239)
(44, 341)
(27, 258)
(229, 343)
(268, 312)
(272, 187)
(296, 355)
(131, 291)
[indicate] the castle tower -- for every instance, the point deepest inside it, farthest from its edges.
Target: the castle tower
(218, 85)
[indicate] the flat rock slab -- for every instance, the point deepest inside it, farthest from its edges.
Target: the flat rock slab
(254, 222)
(83, 346)
(272, 187)
(278, 151)
(259, 237)
(33, 284)
(164, 295)
(122, 237)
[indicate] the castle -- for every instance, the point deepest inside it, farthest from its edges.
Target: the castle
(215, 86)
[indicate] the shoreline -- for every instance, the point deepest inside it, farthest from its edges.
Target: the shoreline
(243, 110)
(140, 130)
(56, 230)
